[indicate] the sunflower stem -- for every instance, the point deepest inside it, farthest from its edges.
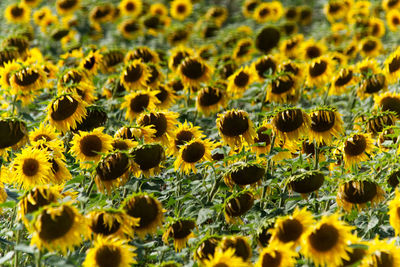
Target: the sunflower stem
(316, 155)
(263, 101)
(264, 192)
(215, 186)
(18, 234)
(178, 194)
(89, 190)
(38, 259)
(14, 103)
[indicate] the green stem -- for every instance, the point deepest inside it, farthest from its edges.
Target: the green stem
(16, 251)
(178, 194)
(14, 102)
(89, 190)
(215, 186)
(316, 155)
(264, 192)
(38, 259)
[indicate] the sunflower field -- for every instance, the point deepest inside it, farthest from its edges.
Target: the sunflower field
(206, 133)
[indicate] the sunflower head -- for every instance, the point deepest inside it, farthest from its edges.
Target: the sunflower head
(326, 123)
(388, 102)
(148, 209)
(267, 39)
(239, 244)
(181, 230)
(381, 253)
(67, 7)
(243, 174)
(277, 256)
(95, 117)
(393, 179)
(211, 99)
(13, 134)
(194, 71)
(206, 248)
(139, 101)
(17, 13)
(180, 9)
(377, 123)
(237, 205)
(111, 59)
(240, 81)
(264, 234)
(306, 182)
(319, 71)
(265, 66)
(356, 147)
(192, 152)
(290, 123)
(147, 159)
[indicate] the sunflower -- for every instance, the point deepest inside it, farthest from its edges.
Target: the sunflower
(179, 36)
(27, 79)
(265, 66)
(388, 102)
(306, 182)
(381, 253)
(277, 256)
(158, 9)
(30, 168)
(135, 75)
(181, 230)
(111, 223)
(390, 4)
(145, 54)
(344, 78)
(240, 245)
(394, 215)
(240, 81)
(155, 76)
(370, 46)
(180, 9)
(283, 89)
(147, 159)
(335, 10)
(155, 24)
(393, 19)
(242, 174)
(123, 144)
(35, 199)
(243, 50)
(166, 96)
(376, 27)
(392, 66)
(319, 71)
(67, 7)
(13, 135)
(312, 50)
(206, 248)
(112, 170)
(192, 152)
(263, 138)
(289, 230)
(249, 6)
(211, 99)
(148, 209)
(163, 122)
(96, 116)
(326, 242)
(135, 133)
(291, 123)
(291, 47)
(184, 133)
(237, 205)
(355, 148)
(101, 13)
(235, 126)
(378, 122)
(226, 258)
(178, 54)
(356, 193)
(130, 28)
(58, 227)
(17, 13)
(326, 123)
(139, 101)
(267, 39)
(110, 252)
(218, 14)
(91, 63)
(131, 8)
(111, 60)
(88, 146)
(193, 71)
(263, 12)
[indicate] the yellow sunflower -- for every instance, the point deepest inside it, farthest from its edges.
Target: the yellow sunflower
(235, 127)
(263, 139)
(192, 152)
(139, 101)
(88, 146)
(243, 50)
(291, 47)
(394, 215)
(17, 13)
(44, 131)
(239, 81)
(263, 12)
(335, 10)
(158, 9)
(240, 244)
(59, 228)
(392, 66)
(13, 135)
(112, 171)
(340, 82)
(67, 7)
(226, 258)
(184, 133)
(111, 223)
(30, 168)
(377, 123)
(193, 71)
(147, 159)
(180, 9)
(218, 14)
(319, 71)
(291, 124)
(92, 62)
(178, 54)
(144, 53)
(283, 89)
(393, 19)
(242, 174)
(181, 230)
(306, 182)
(164, 122)
(326, 123)
(289, 230)
(135, 74)
(135, 133)
(130, 28)
(249, 6)
(355, 148)
(388, 102)
(381, 253)
(356, 193)
(265, 66)
(111, 60)
(31, 3)
(311, 49)
(326, 243)
(27, 79)
(166, 96)
(211, 99)
(236, 206)
(131, 8)
(277, 256)
(148, 209)
(65, 111)
(110, 252)
(370, 46)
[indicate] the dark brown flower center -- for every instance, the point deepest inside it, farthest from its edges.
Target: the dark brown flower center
(158, 120)
(313, 52)
(130, 6)
(131, 26)
(307, 183)
(41, 199)
(359, 192)
(113, 166)
(182, 229)
(182, 137)
(11, 133)
(334, 7)
(345, 78)
(234, 124)
(181, 8)
(64, 109)
(30, 167)
(267, 39)
(90, 145)
(262, 137)
(394, 65)
(113, 58)
(369, 46)
(133, 73)
(139, 103)
(148, 157)
(179, 57)
(391, 103)
(93, 119)
(209, 96)
(318, 68)
(269, 261)
(355, 256)
(66, 4)
(289, 120)
(152, 22)
(241, 79)
(89, 63)
(154, 74)
(324, 238)
(207, 248)
(322, 121)
(193, 152)
(99, 226)
(383, 259)
(265, 66)
(290, 230)
(240, 246)
(16, 11)
(243, 49)
(145, 208)
(120, 145)
(282, 84)
(193, 69)
(163, 95)
(26, 78)
(108, 256)
(356, 146)
(245, 175)
(264, 12)
(56, 226)
(239, 205)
